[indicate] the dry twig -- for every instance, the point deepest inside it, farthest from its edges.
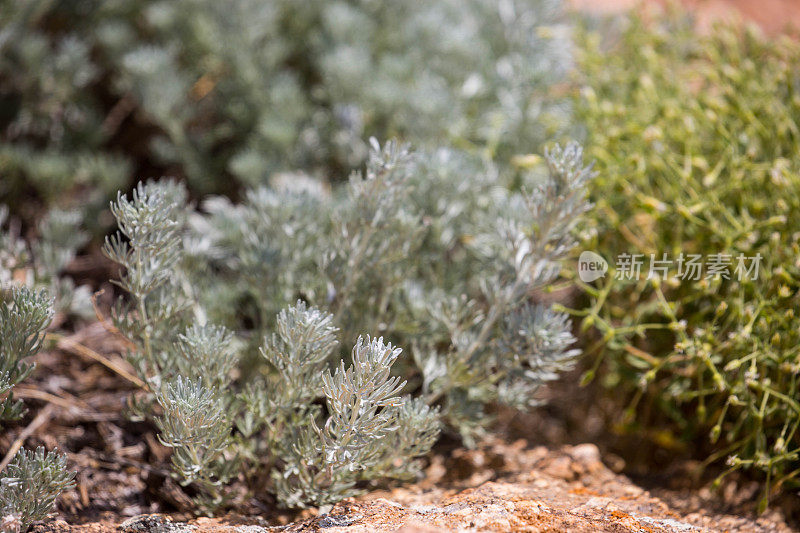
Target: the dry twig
(42, 418)
(69, 345)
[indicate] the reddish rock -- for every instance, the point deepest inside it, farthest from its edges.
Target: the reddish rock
(530, 490)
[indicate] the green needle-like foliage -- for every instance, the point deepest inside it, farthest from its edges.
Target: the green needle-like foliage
(697, 142)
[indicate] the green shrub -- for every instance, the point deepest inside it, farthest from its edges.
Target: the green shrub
(698, 150)
(436, 252)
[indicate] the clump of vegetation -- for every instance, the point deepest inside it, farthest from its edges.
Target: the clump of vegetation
(436, 252)
(40, 263)
(32, 481)
(55, 125)
(29, 486)
(697, 145)
(24, 316)
(95, 92)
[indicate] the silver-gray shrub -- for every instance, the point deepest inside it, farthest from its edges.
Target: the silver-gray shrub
(32, 481)
(194, 421)
(29, 273)
(241, 89)
(149, 246)
(288, 84)
(438, 252)
(24, 317)
(40, 263)
(29, 486)
(53, 136)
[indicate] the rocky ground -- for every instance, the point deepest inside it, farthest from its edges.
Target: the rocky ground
(499, 487)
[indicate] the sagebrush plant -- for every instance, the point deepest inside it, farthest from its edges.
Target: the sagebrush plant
(29, 486)
(39, 263)
(24, 317)
(32, 481)
(194, 422)
(437, 252)
(54, 127)
(696, 143)
(222, 92)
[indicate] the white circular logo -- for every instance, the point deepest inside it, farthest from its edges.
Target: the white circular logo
(591, 266)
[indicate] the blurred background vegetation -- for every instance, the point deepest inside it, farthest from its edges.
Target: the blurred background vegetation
(96, 95)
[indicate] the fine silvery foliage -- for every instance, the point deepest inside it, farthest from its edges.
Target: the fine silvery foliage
(238, 90)
(32, 481)
(284, 87)
(148, 247)
(536, 342)
(30, 485)
(438, 251)
(54, 127)
(303, 342)
(206, 351)
(184, 361)
(194, 422)
(483, 62)
(368, 431)
(24, 316)
(357, 398)
(478, 305)
(40, 264)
